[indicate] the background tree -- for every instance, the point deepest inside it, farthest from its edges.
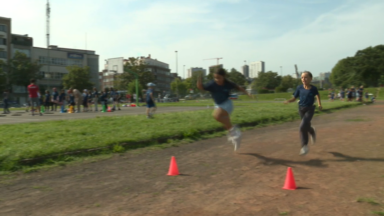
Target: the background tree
(178, 86)
(266, 80)
(287, 82)
(19, 70)
(78, 78)
(191, 83)
(132, 88)
(138, 66)
(365, 68)
(237, 77)
(118, 82)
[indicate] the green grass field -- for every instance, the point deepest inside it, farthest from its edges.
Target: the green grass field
(44, 139)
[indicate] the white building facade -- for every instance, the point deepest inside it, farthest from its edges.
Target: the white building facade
(255, 68)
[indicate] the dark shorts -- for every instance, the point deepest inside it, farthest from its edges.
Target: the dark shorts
(150, 104)
(85, 104)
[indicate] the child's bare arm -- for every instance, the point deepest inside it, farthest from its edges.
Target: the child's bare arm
(290, 100)
(319, 102)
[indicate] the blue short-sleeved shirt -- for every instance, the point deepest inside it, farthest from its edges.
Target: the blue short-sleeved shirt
(220, 93)
(307, 96)
(148, 95)
(55, 95)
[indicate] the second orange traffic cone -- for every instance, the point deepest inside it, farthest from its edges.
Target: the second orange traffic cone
(173, 170)
(289, 180)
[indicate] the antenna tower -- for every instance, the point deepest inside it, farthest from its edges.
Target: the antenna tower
(48, 17)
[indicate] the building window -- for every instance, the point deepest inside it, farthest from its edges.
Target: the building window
(3, 54)
(3, 28)
(3, 41)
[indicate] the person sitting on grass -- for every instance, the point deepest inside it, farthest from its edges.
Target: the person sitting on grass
(306, 93)
(151, 106)
(220, 88)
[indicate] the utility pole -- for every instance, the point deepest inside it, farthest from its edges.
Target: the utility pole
(177, 74)
(48, 42)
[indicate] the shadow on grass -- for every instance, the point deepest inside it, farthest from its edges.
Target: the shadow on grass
(274, 161)
(346, 158)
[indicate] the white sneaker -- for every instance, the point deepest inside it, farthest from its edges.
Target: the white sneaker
(313, 137)
(236, 138)
(304, 150)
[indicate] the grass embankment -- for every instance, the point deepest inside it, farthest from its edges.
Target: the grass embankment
(45, 140)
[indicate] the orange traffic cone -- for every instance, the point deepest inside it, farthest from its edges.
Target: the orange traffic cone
(173, 170)
(289, 180)
(109, 109)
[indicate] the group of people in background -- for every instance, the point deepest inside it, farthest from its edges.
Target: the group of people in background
(63, 99)
(351, 94)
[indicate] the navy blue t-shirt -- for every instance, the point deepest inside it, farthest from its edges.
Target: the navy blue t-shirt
(148, 95)
(220, 93)
(55, 95)
(307, 96)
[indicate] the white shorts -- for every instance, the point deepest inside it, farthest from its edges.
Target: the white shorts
(226, 105)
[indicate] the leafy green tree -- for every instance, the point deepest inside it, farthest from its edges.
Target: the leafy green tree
(20, 70)
(365, 68)
(287, 82)
(268, 80)
(190, 83)
(132, 88)
(137, 66)
(179, 87)
(237, 77)
(78, 78)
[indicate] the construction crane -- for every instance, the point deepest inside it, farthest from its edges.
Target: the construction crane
(297, 72)
(214, 58)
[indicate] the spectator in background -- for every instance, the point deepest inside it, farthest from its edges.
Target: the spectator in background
(360, 92)
(85, 100)
(61, 102)
(104, 100)
(71, 98)
(366, 96)
(118, 98)
(342, 94)
(33, 91)
(55, 99)
(47, 100)
(95, 97)
(350, 94)
(6, 101)
(78, 99)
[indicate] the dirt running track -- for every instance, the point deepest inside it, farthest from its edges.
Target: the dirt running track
(346, 163)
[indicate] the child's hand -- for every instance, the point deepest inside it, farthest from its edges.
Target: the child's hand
(286, 102)
(320, 107)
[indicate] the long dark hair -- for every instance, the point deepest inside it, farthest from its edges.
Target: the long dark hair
(222, 73)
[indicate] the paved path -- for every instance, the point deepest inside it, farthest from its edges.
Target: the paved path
(345, 164)
(23, 117)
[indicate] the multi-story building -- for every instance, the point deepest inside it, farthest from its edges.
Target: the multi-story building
(55, 61)
(160, 70)
(5, 38)
(245, 70)
(255, 68)
(192, 70)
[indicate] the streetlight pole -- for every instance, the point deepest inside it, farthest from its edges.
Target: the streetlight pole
(177, 79)
(281, 73)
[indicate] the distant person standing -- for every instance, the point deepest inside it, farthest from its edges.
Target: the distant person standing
(55, 99)
(85, 100)
(47, 100)
(62, 98)
(5, 101)
(150, 99)
(33, 91)
(95, 96)
(342, 94)
(350, 94)
(78, 99)
(361, 92)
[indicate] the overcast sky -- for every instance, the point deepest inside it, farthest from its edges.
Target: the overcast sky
(314, 34)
